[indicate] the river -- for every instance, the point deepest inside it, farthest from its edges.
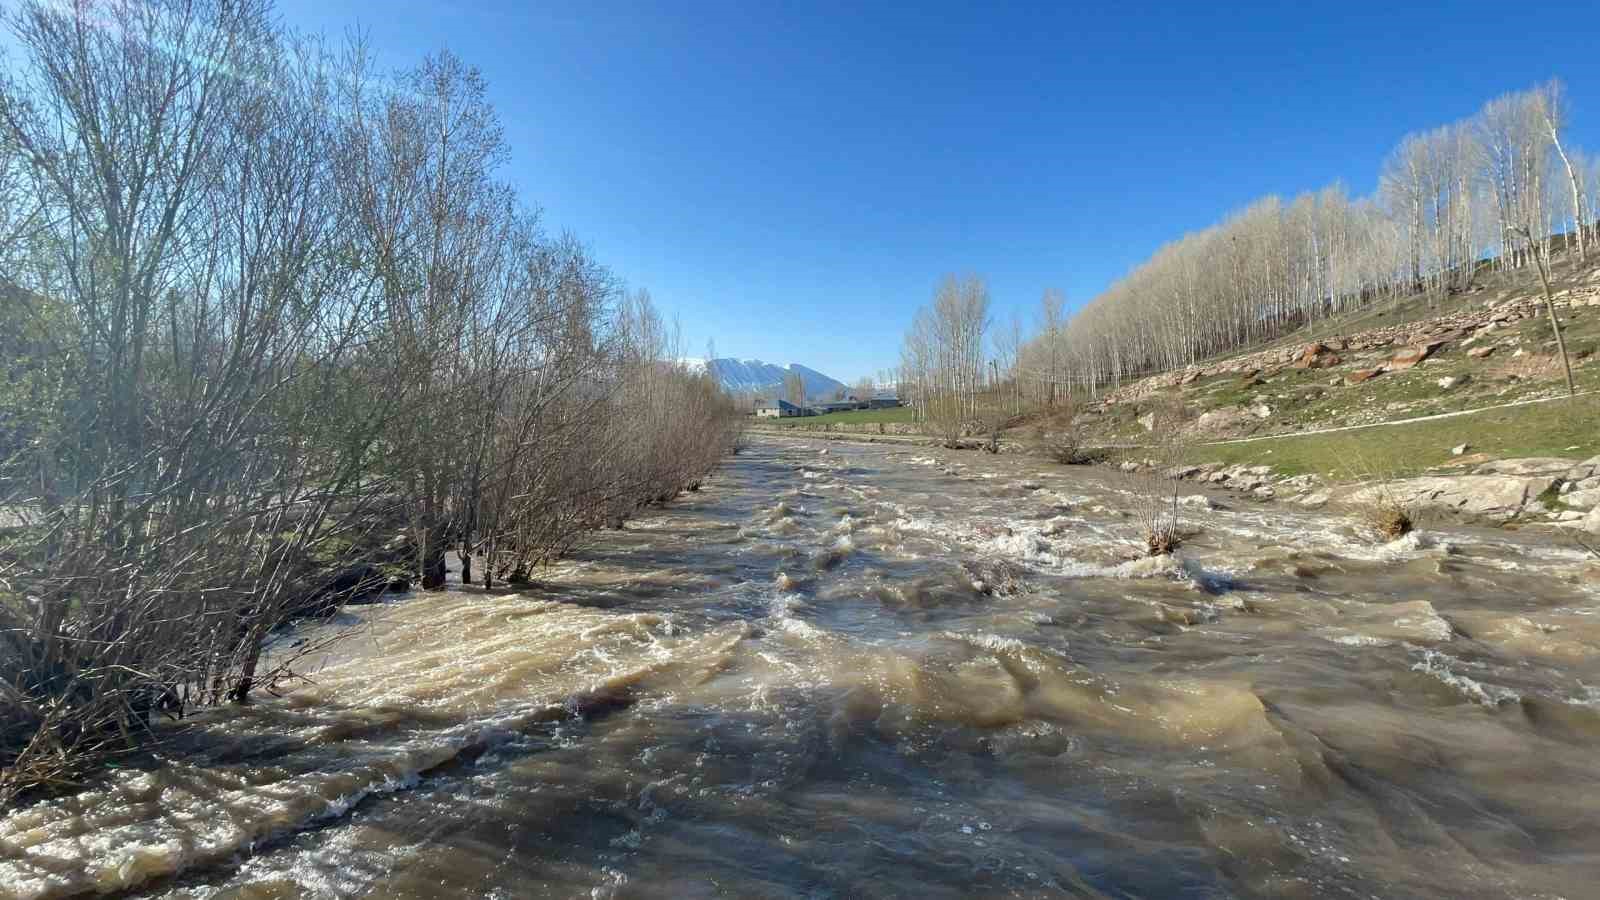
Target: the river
(849, 670)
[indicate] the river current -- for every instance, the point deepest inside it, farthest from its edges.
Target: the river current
(846, 670)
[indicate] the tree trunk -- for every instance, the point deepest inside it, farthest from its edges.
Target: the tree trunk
(1577, 202)
(247, 672)
(488, 565)
(433, 568)
(1555, 325)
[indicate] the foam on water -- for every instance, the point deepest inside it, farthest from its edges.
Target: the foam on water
(1443, 667)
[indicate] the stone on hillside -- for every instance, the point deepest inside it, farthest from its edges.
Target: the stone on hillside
(1222, 421)
(1591, 523)
(1315, 500)
(1264, 492)
(1530, 465)
(1361, 375)
(1448, 382)
(1459, 449)
(1316, 355)
(1412, 355)
(1148, 421)
(1190, 377)
(1488, 498)
(1261, 411)
(1481, 352)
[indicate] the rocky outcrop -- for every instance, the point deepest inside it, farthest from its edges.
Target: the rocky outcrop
(1498, 492)
(1495, 499)
(1589, 468)
(1501, 491)
(1582, 498)
(1256, 482)
(1530, 465)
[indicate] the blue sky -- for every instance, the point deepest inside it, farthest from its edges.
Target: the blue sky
(791, 180)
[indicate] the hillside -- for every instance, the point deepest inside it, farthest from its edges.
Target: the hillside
(1487, 347)
(1444, 390)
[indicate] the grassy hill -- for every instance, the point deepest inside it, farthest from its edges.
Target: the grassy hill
(1256, 407)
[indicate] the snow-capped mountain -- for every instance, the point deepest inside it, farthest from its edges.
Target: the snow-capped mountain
(755, 376)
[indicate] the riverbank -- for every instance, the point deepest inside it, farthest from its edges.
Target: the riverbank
(1474, 486)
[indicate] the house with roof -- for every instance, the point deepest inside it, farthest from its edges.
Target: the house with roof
(780, 409)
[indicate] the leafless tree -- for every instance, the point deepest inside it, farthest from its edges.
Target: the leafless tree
(1448, 199)
(943, 355)
(275, 336)
(1549, 100)
(1543, 268)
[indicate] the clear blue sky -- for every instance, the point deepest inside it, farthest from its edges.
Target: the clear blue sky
(791, 180)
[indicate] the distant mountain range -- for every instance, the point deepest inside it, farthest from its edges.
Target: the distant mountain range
(755, 376)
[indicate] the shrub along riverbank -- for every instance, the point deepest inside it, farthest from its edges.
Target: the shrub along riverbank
(276, 336)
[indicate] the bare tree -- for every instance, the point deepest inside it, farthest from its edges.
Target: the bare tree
(1050, 325)
(274, 338)
(1543, 268)
(943, 352)
(1550, 101)
(1448, 199)
(794, 388)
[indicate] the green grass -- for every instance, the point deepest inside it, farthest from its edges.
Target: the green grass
(1304, 400)
(1311, 399)
(1558, 428)
(895, 415)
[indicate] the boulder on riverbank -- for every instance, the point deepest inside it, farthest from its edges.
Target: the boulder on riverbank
(1493, 499)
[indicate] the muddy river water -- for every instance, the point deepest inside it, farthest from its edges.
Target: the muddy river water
(847, 670)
